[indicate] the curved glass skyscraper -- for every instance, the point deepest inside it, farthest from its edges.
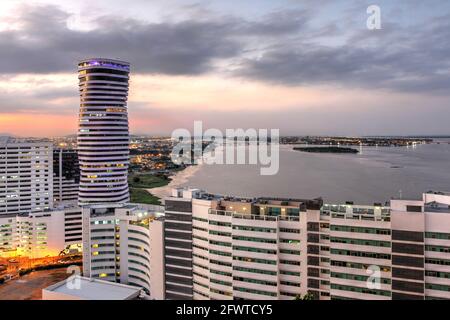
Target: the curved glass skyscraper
(103, 137)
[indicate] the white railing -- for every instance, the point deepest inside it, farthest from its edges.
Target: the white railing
(236, 215)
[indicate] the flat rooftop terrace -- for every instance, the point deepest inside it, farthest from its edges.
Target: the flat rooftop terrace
(90, 289)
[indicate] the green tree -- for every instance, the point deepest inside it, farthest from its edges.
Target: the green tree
(307, 296)
(136, 179)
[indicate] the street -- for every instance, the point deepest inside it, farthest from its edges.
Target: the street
(29, 287)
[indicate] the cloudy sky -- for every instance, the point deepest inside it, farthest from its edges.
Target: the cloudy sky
(305, 67)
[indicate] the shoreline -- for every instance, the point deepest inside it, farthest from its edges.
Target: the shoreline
(176, 180)
(367, 170)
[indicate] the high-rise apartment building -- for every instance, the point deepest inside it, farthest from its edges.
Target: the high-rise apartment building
(66, 176)
(178, 244)
(123, 243)
(267, 248)
(26, 179)
(103, 137)
(421, 247)
(241, 248)
(349, 244)
(251, 248)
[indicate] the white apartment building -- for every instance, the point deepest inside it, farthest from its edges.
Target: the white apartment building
(406, 244)
(123, 243)
(26, 179)
(349, 240)
(266, 248)
(41, 234)
(421, 246)
(241, 248)
(250, 249)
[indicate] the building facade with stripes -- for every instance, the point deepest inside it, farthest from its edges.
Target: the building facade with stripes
(230, 248)
(264, 248)
(178, 235)
(400, 252)
(103, 136)
(26, 176)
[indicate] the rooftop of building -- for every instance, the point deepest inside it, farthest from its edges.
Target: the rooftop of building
(440, 193)
(138, 211)
(83, 288)
(109, 205)
(99, 59)
(353, 205)
(292, 202)
(64, 206)
(104, 63)
(6, 140)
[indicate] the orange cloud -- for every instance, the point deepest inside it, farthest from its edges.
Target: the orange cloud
(38, 125)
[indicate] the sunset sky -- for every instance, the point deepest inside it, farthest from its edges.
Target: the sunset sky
(305, 67)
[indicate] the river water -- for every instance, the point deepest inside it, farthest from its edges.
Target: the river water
(376, 174)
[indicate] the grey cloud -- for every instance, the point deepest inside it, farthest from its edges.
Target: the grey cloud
(45, 44)
(287, 43)
(414, 59)
(277, 23)
(40, 101)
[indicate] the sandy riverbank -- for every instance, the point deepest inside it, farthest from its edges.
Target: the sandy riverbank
(178, 179)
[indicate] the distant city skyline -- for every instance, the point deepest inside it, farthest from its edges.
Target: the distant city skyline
(304, 68)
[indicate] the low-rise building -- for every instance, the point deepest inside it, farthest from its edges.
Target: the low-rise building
(82, 288)
(41, 234)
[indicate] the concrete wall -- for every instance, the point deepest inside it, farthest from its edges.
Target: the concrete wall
(157, 260)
